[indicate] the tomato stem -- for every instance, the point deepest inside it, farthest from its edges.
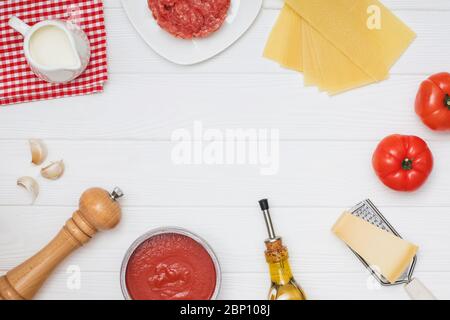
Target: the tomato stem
(407, 164)
(447, 101)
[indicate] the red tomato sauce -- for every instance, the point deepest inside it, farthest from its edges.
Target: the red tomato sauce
(170, 266)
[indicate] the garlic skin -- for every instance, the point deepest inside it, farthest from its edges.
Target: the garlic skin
(38, 151)
(53, 171)
(29, 184)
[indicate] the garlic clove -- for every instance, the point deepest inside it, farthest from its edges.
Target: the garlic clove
(38, 151)
(53, 171)
(30, 185)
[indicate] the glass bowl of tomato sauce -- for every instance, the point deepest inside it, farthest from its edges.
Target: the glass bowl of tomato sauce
(170, 264)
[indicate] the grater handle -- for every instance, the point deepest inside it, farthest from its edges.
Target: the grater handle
(417, 291)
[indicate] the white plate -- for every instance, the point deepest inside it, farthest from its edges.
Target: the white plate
(241, 15)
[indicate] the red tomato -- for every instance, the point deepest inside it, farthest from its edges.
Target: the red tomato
(433, 102)
(402, 163)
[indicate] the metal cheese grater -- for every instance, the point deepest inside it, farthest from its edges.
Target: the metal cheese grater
(367, 211)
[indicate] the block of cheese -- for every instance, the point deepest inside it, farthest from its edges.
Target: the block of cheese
(345, 24)
(382, 250)
(285, 41)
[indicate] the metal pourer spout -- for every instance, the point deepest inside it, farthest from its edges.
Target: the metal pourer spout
(264, 204)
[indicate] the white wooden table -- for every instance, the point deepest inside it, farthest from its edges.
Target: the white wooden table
(123, 137)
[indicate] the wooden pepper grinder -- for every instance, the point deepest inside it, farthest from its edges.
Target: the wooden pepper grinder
(98, 210)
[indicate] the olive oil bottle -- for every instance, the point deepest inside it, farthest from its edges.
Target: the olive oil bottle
(283, 285)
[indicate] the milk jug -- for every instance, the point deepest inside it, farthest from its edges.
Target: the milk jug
(56, 50)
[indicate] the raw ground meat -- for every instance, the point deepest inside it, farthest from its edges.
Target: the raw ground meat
(189, 19)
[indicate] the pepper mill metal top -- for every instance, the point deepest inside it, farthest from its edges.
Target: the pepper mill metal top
(116, 193)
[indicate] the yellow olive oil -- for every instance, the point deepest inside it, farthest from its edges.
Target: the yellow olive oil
(283, 284)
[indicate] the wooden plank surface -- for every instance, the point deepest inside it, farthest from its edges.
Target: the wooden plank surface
(306, 231)
(393, 4)
(141, 107)
(254, 286)
(123, 137)
(312, 173)
(130, 54)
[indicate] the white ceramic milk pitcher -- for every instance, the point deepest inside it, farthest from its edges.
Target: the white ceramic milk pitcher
(56, 50)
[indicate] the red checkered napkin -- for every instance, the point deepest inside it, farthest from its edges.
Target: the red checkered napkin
(17, 82)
